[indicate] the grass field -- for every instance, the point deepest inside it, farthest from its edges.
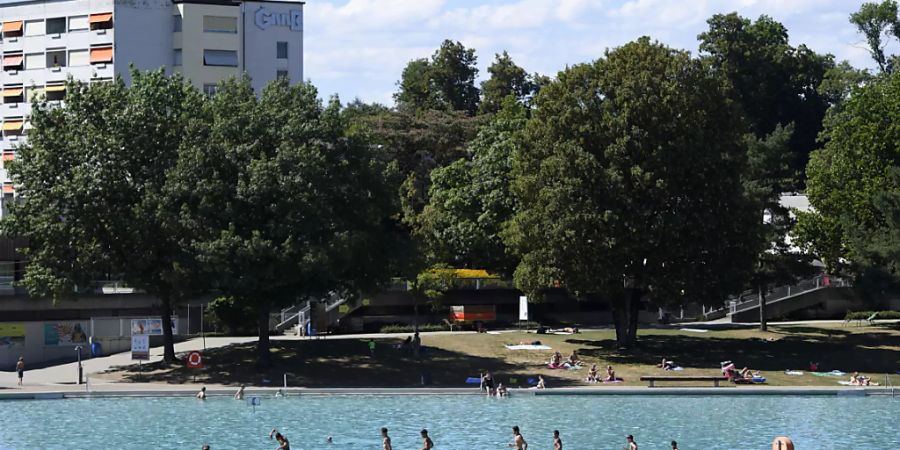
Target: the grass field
(450, 359)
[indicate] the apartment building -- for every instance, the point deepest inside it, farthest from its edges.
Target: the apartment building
(45, 41)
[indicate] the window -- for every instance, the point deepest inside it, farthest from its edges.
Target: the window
(102, 80)
(222, 58)
(56, 25)
(176, 57)
(13, 126)
(102, 21)
(56, 58)
(281, 51)
(210, 89)
(78, 23)
(56, 91)
(12, 29)
(13, 94)
(35, 61)
(79, 58)
(219, 24)
(101, 55)
(13, 61)
(176, 23)
(34, 28)
(281, 74)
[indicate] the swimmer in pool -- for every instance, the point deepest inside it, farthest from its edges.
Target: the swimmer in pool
(427, 443)
(557, 442)
(282, 441)
(518, 441)
(202, 394)
(386, 440)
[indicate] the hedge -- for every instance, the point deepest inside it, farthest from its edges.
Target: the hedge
(863, 315)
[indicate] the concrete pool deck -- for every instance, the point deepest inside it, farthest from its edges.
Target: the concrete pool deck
(108, 390)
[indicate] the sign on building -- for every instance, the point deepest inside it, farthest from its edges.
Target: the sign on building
(266, 18)
(151, 327)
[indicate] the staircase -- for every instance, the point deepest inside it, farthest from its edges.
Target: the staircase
(793, 297)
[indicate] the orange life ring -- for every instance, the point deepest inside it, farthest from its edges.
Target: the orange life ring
(782, 443)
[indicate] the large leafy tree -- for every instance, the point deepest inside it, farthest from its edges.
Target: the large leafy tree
(774, 83)
(92, 200)
(851, 179)
(879, 23)
(470, 201)
(628, 184)
(282, 202)
(507, 79)
(445, 82)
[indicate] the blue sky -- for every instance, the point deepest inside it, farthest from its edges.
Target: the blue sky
(357, 48)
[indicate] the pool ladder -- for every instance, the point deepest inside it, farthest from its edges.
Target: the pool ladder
(889, 383)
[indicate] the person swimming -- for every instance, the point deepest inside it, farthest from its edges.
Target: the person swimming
(202, 394)
(282, 441)
(518, 441)
(427, 443)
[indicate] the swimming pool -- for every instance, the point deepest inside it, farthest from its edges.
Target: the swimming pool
(455, 422)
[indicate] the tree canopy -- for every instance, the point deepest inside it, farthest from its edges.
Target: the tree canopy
(445, 82)
(627, 182)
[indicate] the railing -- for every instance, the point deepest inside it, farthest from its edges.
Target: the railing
(294, 314)
(782, 292)
(401, 284)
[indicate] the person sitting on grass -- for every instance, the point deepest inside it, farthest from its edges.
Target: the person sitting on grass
(593, 376)
(861, 380)
(610, 374)
(556, 360)
(573, 359)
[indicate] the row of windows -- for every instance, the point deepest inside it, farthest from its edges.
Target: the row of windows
(14, 61)
(225, 58)
(56, 25)
(17, 93)
(211, 24)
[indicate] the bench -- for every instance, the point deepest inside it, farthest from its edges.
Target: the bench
(653, 379)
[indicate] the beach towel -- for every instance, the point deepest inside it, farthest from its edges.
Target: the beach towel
(618, 380)
(528, 347)
(695, 330)
(676, 368)
(845, 383)
(833, 373)
(473, 380)
(793, 372)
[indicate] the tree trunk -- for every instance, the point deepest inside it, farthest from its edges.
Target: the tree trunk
(263, 357)
(168, 338)
(761, 291)
(625, 318)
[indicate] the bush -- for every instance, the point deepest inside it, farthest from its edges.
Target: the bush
(400, 328)
(863, 315)
(232, 315)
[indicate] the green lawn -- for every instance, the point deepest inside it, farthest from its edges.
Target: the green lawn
(874, 351)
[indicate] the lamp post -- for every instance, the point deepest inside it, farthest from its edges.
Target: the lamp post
(78, 349)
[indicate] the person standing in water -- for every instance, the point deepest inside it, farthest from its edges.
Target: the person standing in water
(202, 394)
(518, 441)
(386, 440)
(283, 443)
(631, 444)
(239, 395)
(427, 443)
(557, 442)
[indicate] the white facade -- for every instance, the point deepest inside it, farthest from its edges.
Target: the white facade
(45, 41)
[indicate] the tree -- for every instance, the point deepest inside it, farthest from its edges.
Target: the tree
(769, 175)
(773, 82)
(446, 82)
(283, 203)
(627, 184)
(879, 23)
(470, 201)
(507, 79)
(91, 179)
(850, 177)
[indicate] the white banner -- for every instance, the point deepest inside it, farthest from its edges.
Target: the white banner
(523, 308)
(140, 346)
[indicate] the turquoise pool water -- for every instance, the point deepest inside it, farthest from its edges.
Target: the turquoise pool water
(455, 422)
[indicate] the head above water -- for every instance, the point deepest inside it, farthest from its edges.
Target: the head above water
(555, 433)
(424, 432)
(516, 429)
(630, 438)
(384, 431)
(674, 445)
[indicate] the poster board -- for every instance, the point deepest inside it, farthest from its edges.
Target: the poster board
(12, 335)
(151, 327)
(65, 333)
(523, 308)
(140, 347)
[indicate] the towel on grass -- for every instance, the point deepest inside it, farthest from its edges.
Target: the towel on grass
(793, 372)
(833, 373)
(845, 383)
(528, 347)
(695, 330)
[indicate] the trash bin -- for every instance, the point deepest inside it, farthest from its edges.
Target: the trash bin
(96, 349)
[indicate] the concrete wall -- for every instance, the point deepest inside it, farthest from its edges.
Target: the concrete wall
(36, 351)
(262, 29)
(144, 36)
